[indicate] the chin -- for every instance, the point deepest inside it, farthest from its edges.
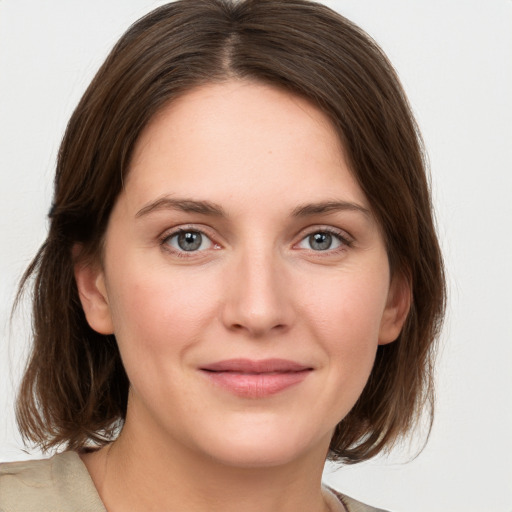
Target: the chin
(260, 449)
(256, 456)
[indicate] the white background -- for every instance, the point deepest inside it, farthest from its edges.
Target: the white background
(455, 60)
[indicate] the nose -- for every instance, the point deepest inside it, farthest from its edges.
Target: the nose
(258, 298)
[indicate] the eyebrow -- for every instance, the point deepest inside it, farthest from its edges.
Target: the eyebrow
(328, 207)
(184, 205)
(213, 209)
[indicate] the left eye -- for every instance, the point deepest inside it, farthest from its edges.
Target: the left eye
(189, 241)
(321, 241)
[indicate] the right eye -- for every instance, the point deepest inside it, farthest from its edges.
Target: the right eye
(188, 240)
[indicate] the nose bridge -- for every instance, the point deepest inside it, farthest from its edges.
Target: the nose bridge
(257, 301)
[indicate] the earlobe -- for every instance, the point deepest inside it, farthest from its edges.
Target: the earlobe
(397, 309)
(90, 281)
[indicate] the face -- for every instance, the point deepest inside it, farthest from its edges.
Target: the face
(244, 276)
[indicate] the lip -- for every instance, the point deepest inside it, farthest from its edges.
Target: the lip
(256, 379)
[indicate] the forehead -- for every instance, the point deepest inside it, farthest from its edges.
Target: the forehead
(241, 139)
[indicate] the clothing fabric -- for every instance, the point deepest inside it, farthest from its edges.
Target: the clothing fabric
(59, 484)
(63, 484)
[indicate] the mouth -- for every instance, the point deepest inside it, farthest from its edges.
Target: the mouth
(256, 379)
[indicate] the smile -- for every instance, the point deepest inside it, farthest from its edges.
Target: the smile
(256, 379)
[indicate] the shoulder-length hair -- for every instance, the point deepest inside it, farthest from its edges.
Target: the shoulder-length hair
(74, 391)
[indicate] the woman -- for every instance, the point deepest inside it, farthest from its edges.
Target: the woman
(241, 276)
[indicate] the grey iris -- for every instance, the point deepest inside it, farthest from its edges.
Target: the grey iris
(320, 241)
(190, 240)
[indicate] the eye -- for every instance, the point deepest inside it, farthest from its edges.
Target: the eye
(188, 240)
(323, 240)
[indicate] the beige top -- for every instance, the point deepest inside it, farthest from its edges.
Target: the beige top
(63, 484)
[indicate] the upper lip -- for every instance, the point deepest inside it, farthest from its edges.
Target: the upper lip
(251, 366)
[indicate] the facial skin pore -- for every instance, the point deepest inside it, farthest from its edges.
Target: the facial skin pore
(240, 235)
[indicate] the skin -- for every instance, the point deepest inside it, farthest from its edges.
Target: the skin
(257, 288)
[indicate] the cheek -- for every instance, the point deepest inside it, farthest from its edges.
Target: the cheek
(345, 315)
(348, 303)
(157, 310)
(158, 318)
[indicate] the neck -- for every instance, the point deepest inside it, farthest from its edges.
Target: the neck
(150, 473)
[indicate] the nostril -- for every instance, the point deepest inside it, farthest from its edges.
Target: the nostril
(258, 330)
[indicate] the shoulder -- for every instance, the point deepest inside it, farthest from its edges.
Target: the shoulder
(58, 483)
(347, 503)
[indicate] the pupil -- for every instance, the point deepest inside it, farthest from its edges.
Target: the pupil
(190, 241)
(320, 241)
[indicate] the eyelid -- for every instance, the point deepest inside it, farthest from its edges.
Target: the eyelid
(345, 238)
(172, 232)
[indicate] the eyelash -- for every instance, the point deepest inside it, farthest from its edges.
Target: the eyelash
(166, 237)
(345, 241)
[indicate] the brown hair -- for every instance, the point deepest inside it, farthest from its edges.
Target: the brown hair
(75, 389)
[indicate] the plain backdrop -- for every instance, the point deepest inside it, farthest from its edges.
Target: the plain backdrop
(455, 61)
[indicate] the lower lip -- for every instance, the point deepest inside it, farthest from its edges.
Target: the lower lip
(256, 385)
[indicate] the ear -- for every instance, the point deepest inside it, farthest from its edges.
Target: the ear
(397, 309)
(90, 281)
